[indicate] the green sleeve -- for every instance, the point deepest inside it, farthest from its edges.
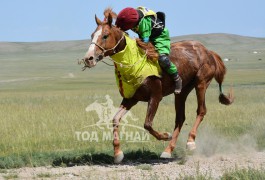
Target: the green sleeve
(145, 27)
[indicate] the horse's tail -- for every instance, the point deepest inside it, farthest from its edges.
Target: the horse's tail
(219, 77)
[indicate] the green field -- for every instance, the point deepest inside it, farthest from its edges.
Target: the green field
(44, 93)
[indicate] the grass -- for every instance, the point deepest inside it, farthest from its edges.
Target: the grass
(3, 171)
(147, 167)
(44, 93)
(44, 175)
(11, 176)
(244, 174)
(233, 174)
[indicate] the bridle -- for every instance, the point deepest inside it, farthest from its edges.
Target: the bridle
(102, 54)
(111, 49)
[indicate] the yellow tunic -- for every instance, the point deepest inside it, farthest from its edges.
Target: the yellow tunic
(132, 67)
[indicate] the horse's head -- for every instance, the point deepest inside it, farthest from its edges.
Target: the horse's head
(105, 40)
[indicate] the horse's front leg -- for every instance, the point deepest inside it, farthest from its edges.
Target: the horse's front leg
(125, 106)
(151, 111)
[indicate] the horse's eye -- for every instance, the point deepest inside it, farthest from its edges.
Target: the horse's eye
(105, 37)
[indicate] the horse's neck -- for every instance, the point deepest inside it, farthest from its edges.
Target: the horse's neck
(119, 34)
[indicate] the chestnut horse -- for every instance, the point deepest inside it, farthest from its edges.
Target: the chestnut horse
(197, 67)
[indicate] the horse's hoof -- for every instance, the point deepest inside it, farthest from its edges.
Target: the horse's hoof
(166, 155)
(118, 158)
(191, 146)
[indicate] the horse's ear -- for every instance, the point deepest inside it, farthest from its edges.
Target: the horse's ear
(97, 20)
(114, 15)
(110, 19)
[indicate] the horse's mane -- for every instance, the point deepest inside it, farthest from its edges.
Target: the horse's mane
(108, 11)
(149, 48)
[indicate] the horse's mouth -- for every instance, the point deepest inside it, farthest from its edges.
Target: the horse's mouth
(90, 63)
(87, 63)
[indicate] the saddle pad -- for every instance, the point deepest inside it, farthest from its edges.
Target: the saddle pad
(132, 67)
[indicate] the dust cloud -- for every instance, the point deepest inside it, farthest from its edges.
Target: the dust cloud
(210, 143)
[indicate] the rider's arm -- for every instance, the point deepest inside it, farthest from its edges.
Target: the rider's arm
(145, 28)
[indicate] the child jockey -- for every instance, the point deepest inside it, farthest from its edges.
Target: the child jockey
(150, 26)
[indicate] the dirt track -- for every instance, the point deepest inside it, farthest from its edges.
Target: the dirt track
(213, 166)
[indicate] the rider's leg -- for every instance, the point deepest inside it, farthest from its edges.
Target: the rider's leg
(171, 69)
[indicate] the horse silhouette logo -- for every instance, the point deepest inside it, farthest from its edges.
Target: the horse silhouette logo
(106, 111)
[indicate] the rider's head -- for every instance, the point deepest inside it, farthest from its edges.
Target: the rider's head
(127, 19)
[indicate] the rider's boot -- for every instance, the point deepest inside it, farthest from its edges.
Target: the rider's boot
(171, 69)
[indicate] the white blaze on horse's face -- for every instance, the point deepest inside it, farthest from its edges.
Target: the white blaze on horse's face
(90, 56)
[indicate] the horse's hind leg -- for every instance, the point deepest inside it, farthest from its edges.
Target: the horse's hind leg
(180, 100)
(201, 111)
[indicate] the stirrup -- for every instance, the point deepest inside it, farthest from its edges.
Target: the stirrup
(177, 91)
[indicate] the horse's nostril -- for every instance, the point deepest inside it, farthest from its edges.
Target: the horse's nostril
(100, 57)
(88, 58)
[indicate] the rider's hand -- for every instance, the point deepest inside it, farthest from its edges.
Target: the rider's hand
(146, 39)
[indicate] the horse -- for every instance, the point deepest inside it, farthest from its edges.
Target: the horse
(197, 67)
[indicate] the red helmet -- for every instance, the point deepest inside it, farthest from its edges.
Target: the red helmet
(127, 18)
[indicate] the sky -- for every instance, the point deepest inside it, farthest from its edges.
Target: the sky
(60, 20)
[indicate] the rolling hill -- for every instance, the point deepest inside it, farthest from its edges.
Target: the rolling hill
(55, 59)
(224, 42)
